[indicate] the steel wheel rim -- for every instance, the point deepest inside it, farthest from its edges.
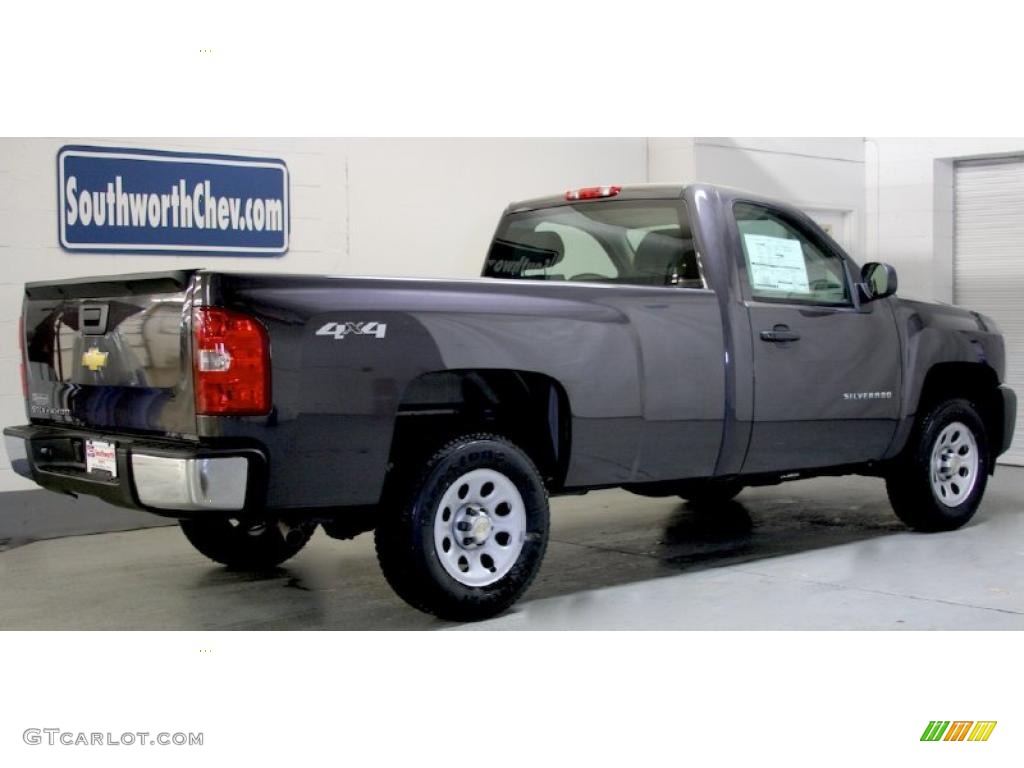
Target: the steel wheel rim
(480, 527)
(954, 464)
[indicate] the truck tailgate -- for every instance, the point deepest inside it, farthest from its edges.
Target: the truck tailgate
(109, 353)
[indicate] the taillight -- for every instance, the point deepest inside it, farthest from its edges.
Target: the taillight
(590, 193)
(21, 346)
(231, 363)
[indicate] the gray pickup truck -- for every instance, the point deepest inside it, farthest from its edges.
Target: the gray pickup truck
(671, 340)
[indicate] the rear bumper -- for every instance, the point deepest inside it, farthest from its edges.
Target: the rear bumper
(166, 477)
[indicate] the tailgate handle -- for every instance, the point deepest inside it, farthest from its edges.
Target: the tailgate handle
(92, 319)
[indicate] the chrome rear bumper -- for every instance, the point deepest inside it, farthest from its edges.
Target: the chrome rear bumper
(158, 476)
(190, 484)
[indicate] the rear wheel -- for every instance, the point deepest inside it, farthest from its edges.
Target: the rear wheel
(464, 539)
(247, 544)
(941, 478)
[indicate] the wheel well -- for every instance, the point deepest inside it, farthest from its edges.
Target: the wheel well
(975, 382)
(530, 409)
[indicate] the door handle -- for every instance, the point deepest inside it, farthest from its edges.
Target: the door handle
(780, 333)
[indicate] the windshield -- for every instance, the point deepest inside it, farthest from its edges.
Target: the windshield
(647, 242)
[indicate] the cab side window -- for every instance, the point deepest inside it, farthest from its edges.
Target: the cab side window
(786, 264)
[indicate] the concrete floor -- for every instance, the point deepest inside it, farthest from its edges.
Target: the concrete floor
(816, 554)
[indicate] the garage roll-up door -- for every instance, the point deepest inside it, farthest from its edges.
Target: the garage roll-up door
(988, 261)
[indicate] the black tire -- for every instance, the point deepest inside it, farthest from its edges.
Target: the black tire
(245, 545)
(910, 482)
(405, 533)
(707, 492)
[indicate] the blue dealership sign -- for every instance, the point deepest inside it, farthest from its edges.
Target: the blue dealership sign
(147, 201)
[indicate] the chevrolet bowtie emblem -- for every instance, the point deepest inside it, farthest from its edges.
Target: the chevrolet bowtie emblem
(94, 359)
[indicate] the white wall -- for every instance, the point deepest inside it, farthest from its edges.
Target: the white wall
(822, 176)
(909, 188)
(359, 206)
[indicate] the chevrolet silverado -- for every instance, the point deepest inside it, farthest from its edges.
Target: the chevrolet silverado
(670, 340)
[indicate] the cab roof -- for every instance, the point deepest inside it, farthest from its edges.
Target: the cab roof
(656, 191)
(627, 192)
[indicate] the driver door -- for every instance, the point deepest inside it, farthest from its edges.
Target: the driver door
(826, 367)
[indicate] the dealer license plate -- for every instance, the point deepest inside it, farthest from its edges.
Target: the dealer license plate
(101, 456)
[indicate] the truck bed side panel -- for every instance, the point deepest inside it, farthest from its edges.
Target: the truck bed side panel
(623, 356)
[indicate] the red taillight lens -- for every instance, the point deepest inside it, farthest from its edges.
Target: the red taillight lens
(590, 193)
(231, 363)
(21, 346)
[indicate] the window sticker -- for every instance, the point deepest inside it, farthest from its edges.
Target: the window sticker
(776, 264)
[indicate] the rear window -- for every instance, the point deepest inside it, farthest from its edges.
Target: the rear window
(645, 242)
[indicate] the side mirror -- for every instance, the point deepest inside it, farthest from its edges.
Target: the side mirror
(877, 281)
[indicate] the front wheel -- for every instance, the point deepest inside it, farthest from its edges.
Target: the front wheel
(464, 540)
(939, 482)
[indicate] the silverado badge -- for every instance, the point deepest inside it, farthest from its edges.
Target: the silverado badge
(94, 359)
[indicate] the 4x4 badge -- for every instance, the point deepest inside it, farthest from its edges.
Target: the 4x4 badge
(93, 359)
(341, 330)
